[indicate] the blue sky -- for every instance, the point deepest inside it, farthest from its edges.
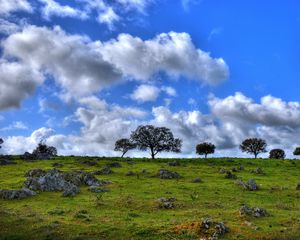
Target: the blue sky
(83, 73)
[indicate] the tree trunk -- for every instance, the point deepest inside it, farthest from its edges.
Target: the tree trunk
(123, 154)
(205, 155)
(255, 155)
(152, 153)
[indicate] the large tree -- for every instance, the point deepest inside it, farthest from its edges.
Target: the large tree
(156, 139)
(124, 145)
(254, 146)
(277, 154)
(43, 151)
(205, 148)
(297, 151)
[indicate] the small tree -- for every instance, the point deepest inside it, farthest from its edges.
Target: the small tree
(277, 154)
(254, 146)
(156, 139)
(297, 151)
(124, 145)
(205, 148)
(1, 142)
(44, 151)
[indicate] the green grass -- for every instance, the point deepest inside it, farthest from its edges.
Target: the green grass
(129, 211)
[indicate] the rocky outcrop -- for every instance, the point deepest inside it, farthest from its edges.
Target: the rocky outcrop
(167, 174)
(166, 202)
(250, 185)
(103, 171)
(16, 194)
(254, 212)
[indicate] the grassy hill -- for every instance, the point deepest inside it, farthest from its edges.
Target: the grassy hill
(129, 210)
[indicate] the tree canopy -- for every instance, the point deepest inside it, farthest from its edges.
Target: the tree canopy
(277, 154)
(124, 145)
(254, 146)
(156, 139)
(205, 148)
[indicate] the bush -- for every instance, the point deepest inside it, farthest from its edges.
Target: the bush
(277, 154)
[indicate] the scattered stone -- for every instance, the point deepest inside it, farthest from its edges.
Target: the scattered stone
(16, 194)
(222, 170)
(254, 212)
(166, 202)
(197, 180)
(167, 174)
(97, 189)
(57, 165)
(250, 185)
(241, 168)
(6, 162)
(130, 162)
(298, 186)
(230, 175)
(130, 173)
(258, 171)
(174, 164)
(114, 165)
(89, 162)
(104, 171)
(55, 180)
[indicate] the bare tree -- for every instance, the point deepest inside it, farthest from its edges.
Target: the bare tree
(124, 145)
(254, 146)
(205, 148)
(156, 139)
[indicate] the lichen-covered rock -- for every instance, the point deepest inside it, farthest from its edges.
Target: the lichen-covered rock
(230, 175)
(258, 171)
(55, 180)
(130, 173)
(212, 230)
(103, 171)
(174, 164)
(250, 185)
(16, 194)
(166, 202)
(97, 189)
(197, 180)
(254, 212)
(114, 165)
(167, 174)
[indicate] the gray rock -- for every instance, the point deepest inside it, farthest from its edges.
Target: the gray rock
(97, 189)
(89, 162)
(114, 165)
(241, 168)
(57, 165)
(250, 185)
(167, 174)
(166, 202)
(174, 164)
(130, 162)
(144, 171)
(130, 173)
(230, 175)
(222, 170)
(6, 162)
(104, 171)
(71, 191)
(16, 194)
(258, 171)
(197, 180)
(298, 186)
(254, 212)
(212, 230)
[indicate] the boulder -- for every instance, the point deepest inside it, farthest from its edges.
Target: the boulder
(71, 191)
(6, 162)
(97, 189)
(254, 212)
(114, 165)
(197, 180)
(130, 162)
(89, 162)
(222, 170)
(258, 171)
(166, 202)
(167, 174)
(212, 230)
(250, 185)
(174, 164)
(104, 171)
(230, 175)
(16, 194)
(130, 173)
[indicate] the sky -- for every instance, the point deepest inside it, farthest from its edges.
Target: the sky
(81, 74)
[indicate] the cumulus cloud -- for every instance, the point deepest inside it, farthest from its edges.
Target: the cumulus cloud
(53, 8)
(18, 82)
(169, 91)
(173, 53)
(7, 27)
(9, 6)
(270, 111)
(81, 66)
(145, 93)
(18, 125)
(139, 5)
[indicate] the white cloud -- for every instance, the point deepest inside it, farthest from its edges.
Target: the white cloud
(9, 6)
(18, 125)
(8, 28)
(139, 5)
(81, 66)
(145, 93)
(109, 17)
(53, 8)
(173, 53)
(169, 91)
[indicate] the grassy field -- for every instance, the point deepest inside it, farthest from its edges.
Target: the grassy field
(129, 210)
